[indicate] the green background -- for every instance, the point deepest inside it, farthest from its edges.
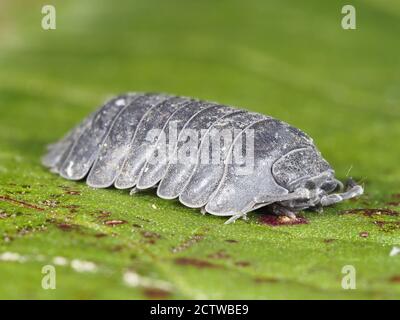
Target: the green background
(288, 59)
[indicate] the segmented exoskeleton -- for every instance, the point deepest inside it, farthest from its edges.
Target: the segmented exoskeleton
(221, 159)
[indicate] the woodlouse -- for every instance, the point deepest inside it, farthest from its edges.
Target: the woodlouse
(145, 140)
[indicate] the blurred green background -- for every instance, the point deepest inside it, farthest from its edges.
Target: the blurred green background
(288, 59)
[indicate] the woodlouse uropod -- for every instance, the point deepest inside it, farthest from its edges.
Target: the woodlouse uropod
(145, 140)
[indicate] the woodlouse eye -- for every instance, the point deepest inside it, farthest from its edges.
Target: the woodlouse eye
(329, 186)
(310, 185)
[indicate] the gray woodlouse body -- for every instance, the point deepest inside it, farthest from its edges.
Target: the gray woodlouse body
(129, 143)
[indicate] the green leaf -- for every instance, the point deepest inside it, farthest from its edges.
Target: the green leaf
(291, 60)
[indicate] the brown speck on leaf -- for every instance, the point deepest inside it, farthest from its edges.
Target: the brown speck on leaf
(195, 263)
(73, 192)
(7, 238)
(21, 203)
(117, 248)
(284, 219)
(364, 234)
(368, 212)
(379, 223)
(100, 235)
(50, 203)
(151, 237)
(21, 192)
(242, 263)
(65, 226)
(387, 226)
(274, 220)
(142, 219)
(221, 254)
(395, 279)
(265, 280)
(102, 214)
(156, 293)
(72, 206)
(231, 241)
(114, 222)
(29, 229)
(188, 243)
(393, 203)
(25, 230)
(150, 234)
(3, 214)
(329, 240)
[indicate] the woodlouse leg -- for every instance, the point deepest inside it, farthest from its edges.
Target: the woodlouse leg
(242, 214)
(353, 190)
(288, 213)
(235, 217)
(318, 209)
(282, 211)
(133, 191)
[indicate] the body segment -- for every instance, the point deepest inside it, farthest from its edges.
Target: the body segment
(157, 163)
(180, 169)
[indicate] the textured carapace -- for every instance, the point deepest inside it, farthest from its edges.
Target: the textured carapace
(221, 159)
